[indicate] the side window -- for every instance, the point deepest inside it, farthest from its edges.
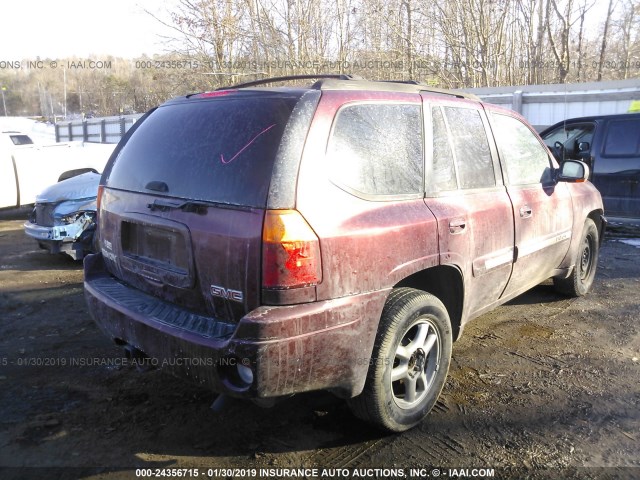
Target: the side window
(443, 170)
(471, 148)
(376, 149)
(571, 136)
(623, 138)
(525, 159)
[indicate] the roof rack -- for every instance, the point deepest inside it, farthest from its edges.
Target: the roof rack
(264, 81)
(408, 84)
(425, 87)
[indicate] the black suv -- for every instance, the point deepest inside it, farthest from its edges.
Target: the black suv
(610, 146)
(269, 241)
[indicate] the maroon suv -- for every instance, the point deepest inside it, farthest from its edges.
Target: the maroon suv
(269, 241)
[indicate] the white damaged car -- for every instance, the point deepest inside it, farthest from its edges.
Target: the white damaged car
(63, 219)
(26, 168)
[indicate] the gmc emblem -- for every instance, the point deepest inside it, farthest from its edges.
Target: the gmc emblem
(227, 293)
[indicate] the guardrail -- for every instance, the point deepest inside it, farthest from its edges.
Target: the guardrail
(96, 130)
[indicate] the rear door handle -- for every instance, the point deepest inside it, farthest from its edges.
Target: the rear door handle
(525, 212)
(457, 226)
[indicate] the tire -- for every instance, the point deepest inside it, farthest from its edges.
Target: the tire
(413, 345)
(581, 279)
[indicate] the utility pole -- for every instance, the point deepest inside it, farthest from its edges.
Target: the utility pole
(64, 72)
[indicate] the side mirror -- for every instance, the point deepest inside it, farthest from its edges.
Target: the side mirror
(583, 147)
(572, 171)
(558, 151)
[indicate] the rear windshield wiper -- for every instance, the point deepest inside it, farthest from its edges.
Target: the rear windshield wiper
(191, 206)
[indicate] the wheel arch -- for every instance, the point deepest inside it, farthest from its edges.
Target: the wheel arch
(599, 219)
(445, 283)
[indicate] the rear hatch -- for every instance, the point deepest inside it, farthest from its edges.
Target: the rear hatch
(184, 200)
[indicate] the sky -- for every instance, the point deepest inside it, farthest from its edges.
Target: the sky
(64, 28)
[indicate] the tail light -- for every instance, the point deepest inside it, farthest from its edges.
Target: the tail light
(96, 238)
(99, 197)
(290, 251)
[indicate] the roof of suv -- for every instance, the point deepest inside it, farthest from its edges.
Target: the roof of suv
(334, 82)
(592, 118)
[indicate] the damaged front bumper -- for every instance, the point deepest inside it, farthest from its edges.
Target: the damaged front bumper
(63, 220)
(74, 238)
(63, 233)
(270, 352)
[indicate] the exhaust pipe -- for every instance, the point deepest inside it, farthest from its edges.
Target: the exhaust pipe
(141, 360)
(221, 403)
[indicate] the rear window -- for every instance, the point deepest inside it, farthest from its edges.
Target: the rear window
(376, 149)
(21, 140)
(219, 150)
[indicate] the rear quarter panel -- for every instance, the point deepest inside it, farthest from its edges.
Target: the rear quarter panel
(366, 245)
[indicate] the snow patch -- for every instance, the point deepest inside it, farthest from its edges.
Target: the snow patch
(41, 133)
(635, 242)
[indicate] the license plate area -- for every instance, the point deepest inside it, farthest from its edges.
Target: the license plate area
(160, 254)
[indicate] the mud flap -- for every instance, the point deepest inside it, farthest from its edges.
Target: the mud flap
(603, 226)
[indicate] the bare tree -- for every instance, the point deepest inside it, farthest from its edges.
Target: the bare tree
(604, 39)
(629, 27)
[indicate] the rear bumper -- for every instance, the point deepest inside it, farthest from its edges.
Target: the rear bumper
(290, 349)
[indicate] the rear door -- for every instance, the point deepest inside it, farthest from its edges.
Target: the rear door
(466, 194)
(183, 208)
(542, 209)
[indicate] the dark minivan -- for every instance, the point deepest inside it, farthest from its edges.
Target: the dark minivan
(265, 241)
(610, 146)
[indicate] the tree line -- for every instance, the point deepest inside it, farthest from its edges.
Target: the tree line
(453, 44)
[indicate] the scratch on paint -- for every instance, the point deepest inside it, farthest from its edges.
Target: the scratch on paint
(226, 162)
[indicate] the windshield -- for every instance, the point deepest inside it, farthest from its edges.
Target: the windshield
(219, 150)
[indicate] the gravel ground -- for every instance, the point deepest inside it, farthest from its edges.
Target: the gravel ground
(543, 387)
